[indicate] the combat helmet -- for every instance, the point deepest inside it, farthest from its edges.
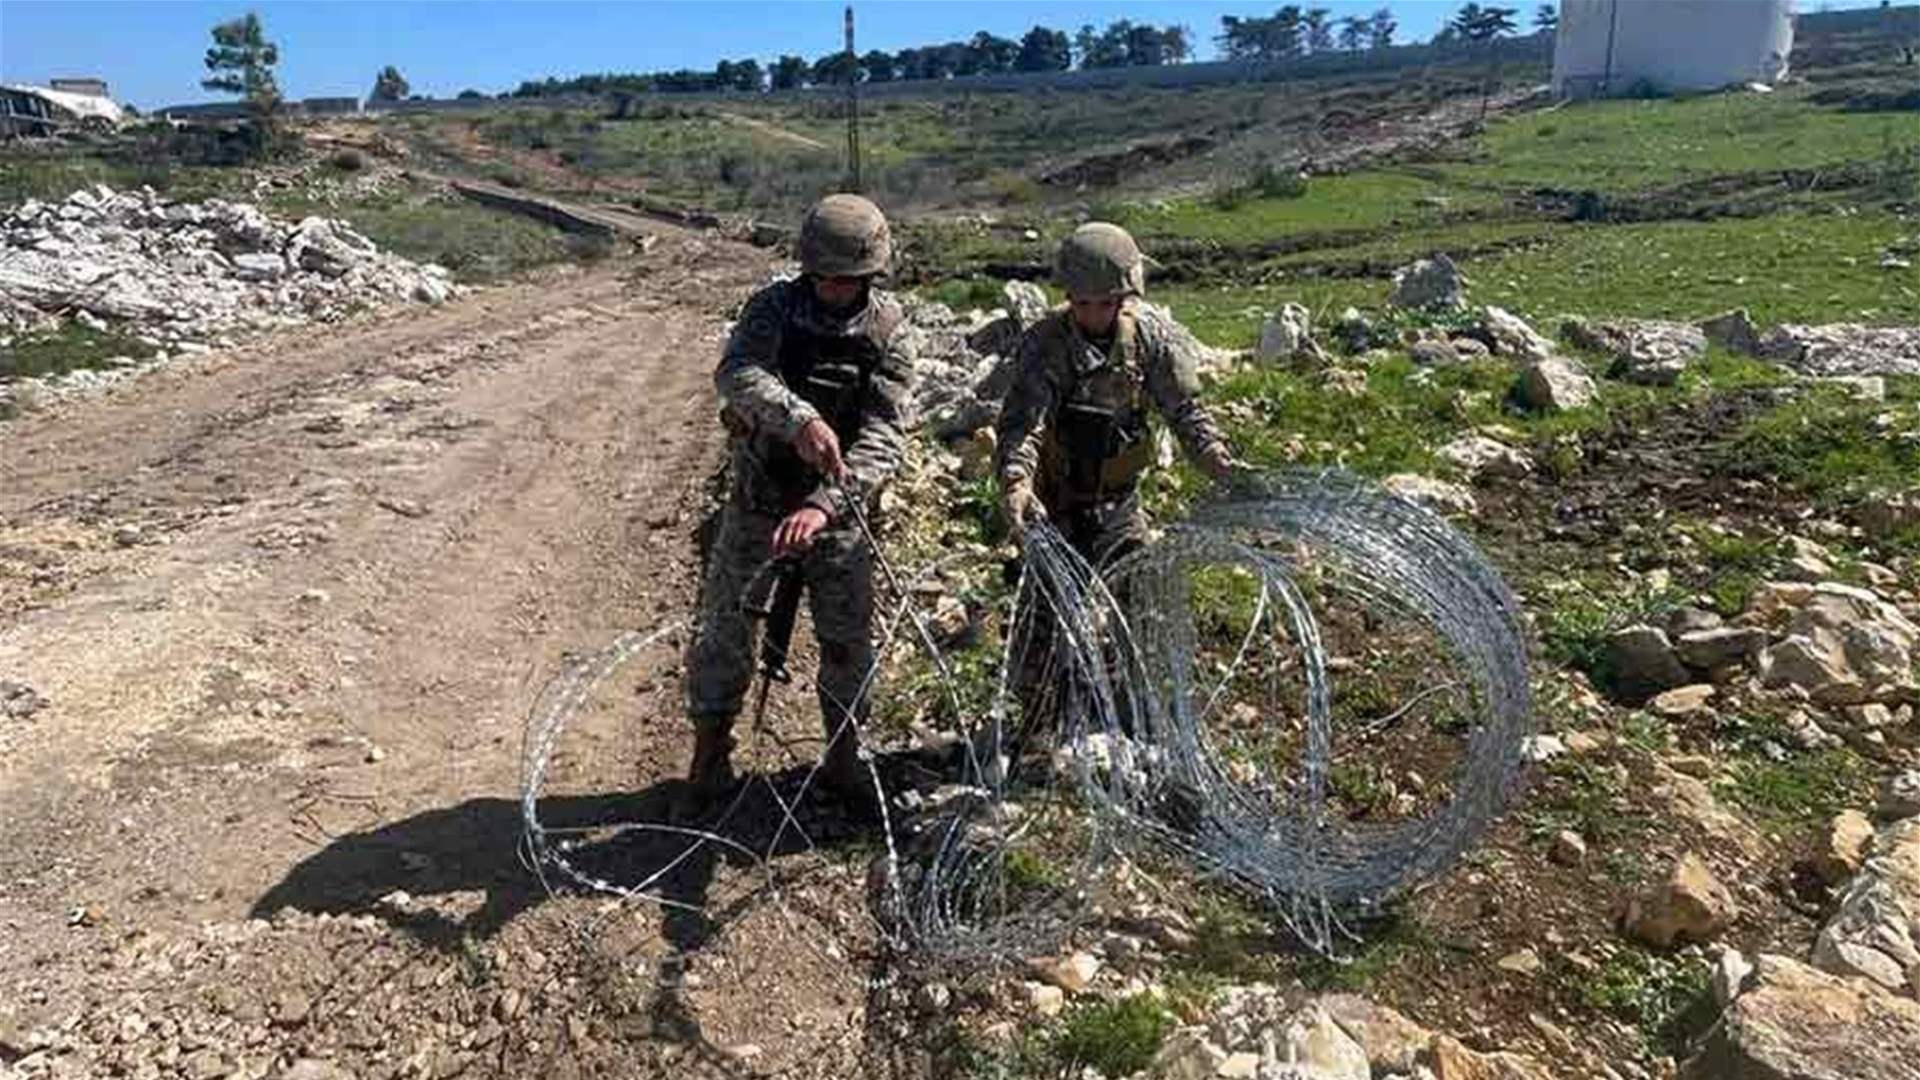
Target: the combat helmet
(845, 236)
(1099, 259)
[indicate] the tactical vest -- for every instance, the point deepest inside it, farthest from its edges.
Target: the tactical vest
(831, 372)
(1099, 441)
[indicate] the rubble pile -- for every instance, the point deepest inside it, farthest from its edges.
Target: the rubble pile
(187, 275)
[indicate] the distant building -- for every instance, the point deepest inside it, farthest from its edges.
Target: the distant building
(89, 87)
(1608, 47)
(37, 110)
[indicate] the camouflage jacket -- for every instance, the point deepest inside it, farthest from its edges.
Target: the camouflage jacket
(1062, 378)
(782, 324)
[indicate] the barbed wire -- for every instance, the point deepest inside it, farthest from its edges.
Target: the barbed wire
(1101, 683)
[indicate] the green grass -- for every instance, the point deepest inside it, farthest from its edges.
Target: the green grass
(53, 176)
(1800, 267)
(1385, 946)
(1800, 789)
(1830, 445)
(1277, 416)
(1359, 200)
(72, 347)
(1115, 1038)
(1635, 145)
(1580, 616)
(1736, 562)
(476, 243)
(1590, 798)
(1651, 992)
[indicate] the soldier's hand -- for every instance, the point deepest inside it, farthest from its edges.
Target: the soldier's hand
(819, 447)
(795, 532)
(1023, 509)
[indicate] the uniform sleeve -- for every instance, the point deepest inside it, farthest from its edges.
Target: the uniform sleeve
(1172, 366)
(886, 419)
(1023, 416)
(748, 379)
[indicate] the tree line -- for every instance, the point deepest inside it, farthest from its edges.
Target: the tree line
(1122, 43)
(242, 60)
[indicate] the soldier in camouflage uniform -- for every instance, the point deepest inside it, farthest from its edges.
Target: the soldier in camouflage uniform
(1075, 433)
(816, 396)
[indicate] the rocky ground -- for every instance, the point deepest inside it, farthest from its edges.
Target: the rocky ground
(271, 616)
(185, 277)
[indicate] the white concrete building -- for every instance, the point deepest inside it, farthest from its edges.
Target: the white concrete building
(1618, 46)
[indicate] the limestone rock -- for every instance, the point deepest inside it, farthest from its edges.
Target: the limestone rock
(1453, 1061)
(1729, 978)
(1523, 962)
(1644, 662)
(1796, 1023)
(1440, 496)
(1690, 904)
(314, 1069)
(1071, 973)
(1046, 1001)
(1705, 650)
(1875, 929)
(1429, 284)
(1643, 351)
(1188, 1055)
(1288, 335)
(1511, 336)
(1689, 620)
(1569, 848)
(1556, 384)
(1843, 349)
(1732, 330)
(1391, 1042)
(1842, 846)
(1900, 796)
(1477, 455)
(1312, 1039)
(1682, 701)
(1433, 352)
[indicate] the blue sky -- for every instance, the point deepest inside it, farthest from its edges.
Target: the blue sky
(149, 52)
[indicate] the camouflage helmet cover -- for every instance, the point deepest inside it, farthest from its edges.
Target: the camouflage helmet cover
(845, 236)
(1098, 259)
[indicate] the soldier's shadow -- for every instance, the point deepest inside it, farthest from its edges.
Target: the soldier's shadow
(621, 839)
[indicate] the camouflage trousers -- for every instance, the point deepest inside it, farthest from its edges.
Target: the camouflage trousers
(838, 573)
(1102, 534)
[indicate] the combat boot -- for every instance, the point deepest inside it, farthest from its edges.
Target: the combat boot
(711, 773)
(847, 779)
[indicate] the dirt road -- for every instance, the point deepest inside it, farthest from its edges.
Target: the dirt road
(288, 607)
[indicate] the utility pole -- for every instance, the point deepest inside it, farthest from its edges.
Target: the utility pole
(853, 109)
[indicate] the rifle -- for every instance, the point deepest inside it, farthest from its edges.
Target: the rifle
(779, 610)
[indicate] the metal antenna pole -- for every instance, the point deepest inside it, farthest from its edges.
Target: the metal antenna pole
(853, 109)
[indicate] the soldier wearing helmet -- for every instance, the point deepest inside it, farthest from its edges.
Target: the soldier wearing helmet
(816, 396)
(1075, 434)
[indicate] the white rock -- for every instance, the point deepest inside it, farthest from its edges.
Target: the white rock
(1730, 971)
(1900, 796)
(1314, 1040)
(1556, 384)
(1429, 283)
(1286, 335)
(1513, 337)
(1440, 496)
(1475, 455)
(1569, 848)
(1046, 1001)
